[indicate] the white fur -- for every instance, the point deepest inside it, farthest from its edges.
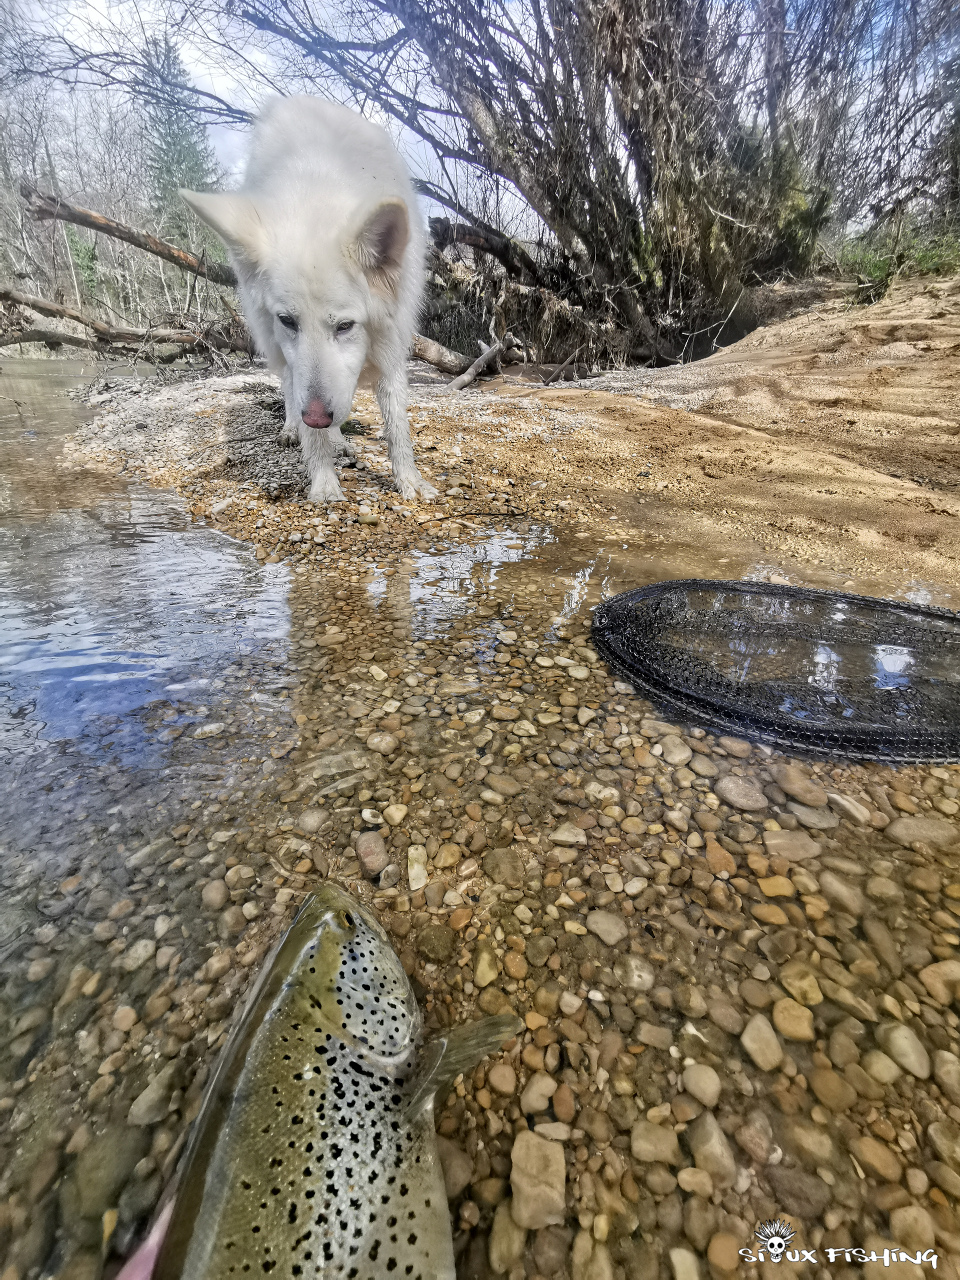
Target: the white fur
(325, 229)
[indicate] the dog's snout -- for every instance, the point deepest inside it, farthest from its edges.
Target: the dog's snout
(316, 414)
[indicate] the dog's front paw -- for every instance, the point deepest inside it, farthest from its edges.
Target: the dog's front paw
(325, 489)
(344, 449)
(288, 436)
(414, 486)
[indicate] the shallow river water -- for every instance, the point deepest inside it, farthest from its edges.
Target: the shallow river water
(190, 739)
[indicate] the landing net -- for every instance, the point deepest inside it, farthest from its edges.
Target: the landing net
(821, 672)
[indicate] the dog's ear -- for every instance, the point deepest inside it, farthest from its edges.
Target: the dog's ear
(378, 249)
(233, 217)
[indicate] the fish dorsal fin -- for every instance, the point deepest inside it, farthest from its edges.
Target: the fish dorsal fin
(449, 1056)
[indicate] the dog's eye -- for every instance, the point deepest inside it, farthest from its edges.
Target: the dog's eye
(287, 321)
(345, 326)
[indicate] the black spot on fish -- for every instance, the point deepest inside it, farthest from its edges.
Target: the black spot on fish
(292, 1215)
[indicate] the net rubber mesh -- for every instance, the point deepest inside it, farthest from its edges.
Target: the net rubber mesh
(821, 672)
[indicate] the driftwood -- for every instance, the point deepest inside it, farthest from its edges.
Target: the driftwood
(468, 375)
(560, 368)
(440, 357)
(45, 207)
(512, 256)
(50, 337)
(112, 335)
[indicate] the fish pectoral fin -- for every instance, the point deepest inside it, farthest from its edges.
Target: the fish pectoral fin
(458, 1051)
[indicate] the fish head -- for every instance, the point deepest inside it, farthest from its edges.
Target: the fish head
(351, 978)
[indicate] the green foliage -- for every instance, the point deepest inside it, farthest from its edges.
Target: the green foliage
(178, 151)
(84, 255)
(915, 249)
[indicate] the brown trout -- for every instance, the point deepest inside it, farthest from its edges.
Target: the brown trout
(314, 1151)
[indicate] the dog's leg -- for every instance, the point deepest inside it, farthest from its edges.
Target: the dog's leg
(392, 399)
(290, 435)
(319, 452)
(342, 448)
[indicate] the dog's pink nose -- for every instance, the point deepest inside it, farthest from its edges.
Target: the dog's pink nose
(316, 414)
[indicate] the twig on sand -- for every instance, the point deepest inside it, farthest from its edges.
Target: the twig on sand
(468, 376)
(566, 365)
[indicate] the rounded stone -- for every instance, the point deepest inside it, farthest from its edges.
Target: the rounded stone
(723, 1254)
(436, 942)
(503, 784)
(384, 744)
(696, 1181)
(741, 793)
(215, 895)
(502, 1079)
(702, 1083)
(504, 866)
(311, 820)
(394, 814)
(610, 929)
(675, 750)
(538, 1177)
(793, 1020)
(880, 1067)
(798, 786)
(877, 1158)
(831, 1089)
(904, 1047)
(125, 1018)
(372, 853)
(842, 894)
(537, 1093)
(760, 1041)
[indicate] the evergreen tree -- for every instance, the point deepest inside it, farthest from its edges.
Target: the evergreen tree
(178, 150)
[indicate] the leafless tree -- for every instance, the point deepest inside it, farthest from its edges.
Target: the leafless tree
(666, 152)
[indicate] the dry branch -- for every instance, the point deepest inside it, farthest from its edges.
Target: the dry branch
(554, 377)
(45, 207)
(512, 256)
(111, 335)
(468, 375)
(50, 337)
(440, 357)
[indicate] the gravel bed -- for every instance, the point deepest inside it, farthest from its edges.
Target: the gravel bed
(738, 972)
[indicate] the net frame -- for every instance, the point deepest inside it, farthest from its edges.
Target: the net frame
(625, 634)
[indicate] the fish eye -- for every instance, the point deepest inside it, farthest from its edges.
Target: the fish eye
(345, 326)
(346, 920)
(288, 321)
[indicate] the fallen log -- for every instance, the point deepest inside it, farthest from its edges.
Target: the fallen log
(440, 357)
(50, 338)
(470, 374)
(561, 368)
(45, 207)
(113, 335)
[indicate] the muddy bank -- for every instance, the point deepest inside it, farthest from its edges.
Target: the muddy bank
(829, 440)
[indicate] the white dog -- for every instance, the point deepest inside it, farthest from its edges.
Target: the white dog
(328, 248)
